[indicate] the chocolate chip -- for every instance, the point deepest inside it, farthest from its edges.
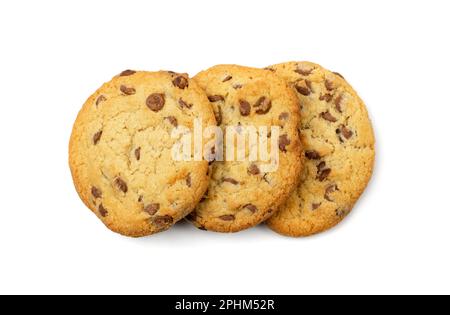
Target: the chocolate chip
(151, 209)
(283, 143)
(323, 174)
(303, 90)
(328, 116)
(283, 116)
(172, 120)
(230, 180)
(183, 104)
(244, 107)
(127, 90)
(163, 221)
(304, 71)
(227, 78)
(253, 169)
(321, 166)
(329, 190)
(326, 97)
(251, 207)
(141, 198)
(337, 103)
(347, 133)
(189, 180)
(218, 115)
(329, 85)
(97, 137)
(120, 183)
(156, 101)
(341, 213)
(315, 206)
(216, 98)
(97, 193)
(137, 153)
(263, 105)
(100, 99)
(181, 82)
(312, 155)
(127, 73)
(269, 69)
(237, 86)
(227, 217)
(103, 212)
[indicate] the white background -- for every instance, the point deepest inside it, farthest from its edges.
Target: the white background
(54, 54)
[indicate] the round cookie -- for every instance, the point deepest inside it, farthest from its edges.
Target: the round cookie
(120, 151)
(244, 193)
(339, 152)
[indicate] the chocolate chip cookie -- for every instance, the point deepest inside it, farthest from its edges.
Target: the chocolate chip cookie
(121, 151)
(244, 192)
(338, 150)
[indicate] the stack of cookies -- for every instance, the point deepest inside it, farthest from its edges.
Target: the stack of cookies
(151, 148)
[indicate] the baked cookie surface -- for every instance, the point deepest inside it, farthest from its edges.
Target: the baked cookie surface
(339, 152)
(120, 151)
(244, 193)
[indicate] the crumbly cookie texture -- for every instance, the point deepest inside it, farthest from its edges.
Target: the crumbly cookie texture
(338, 150)
(120, 151)
(240, 195)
